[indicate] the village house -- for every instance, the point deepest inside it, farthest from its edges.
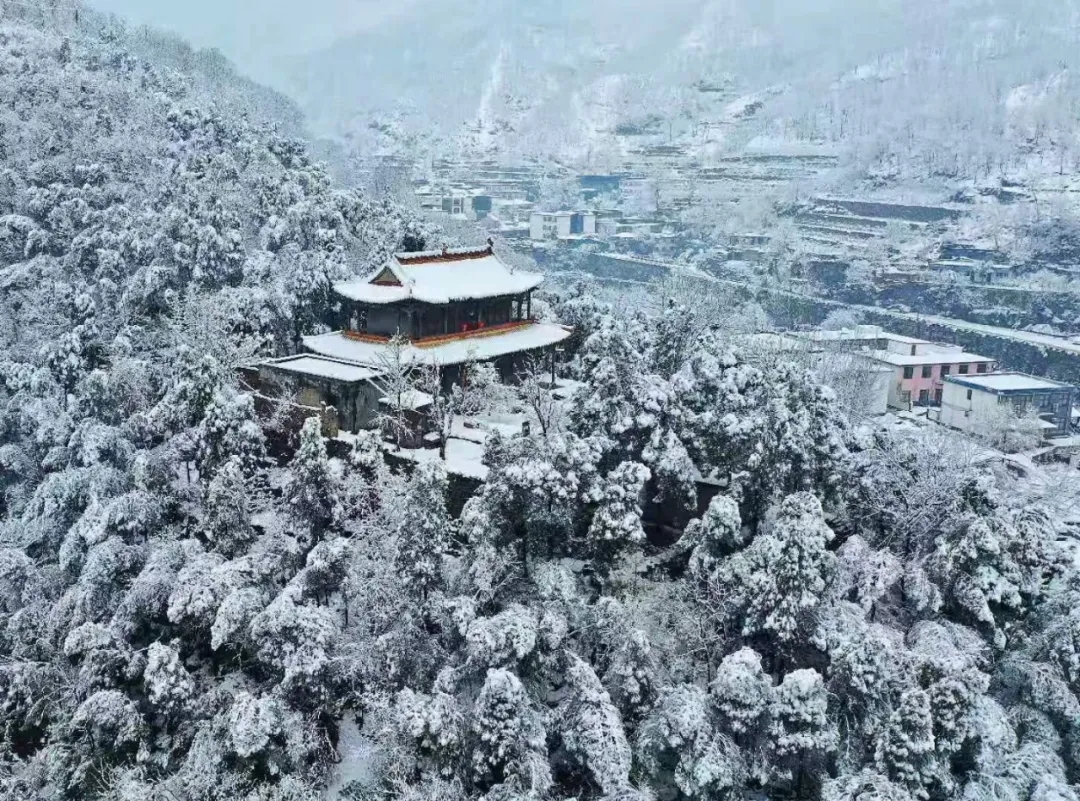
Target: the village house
(462, 202)
(971, 400)
(611, 227)
(919, 376)
(344, 394)
(919, 367)
(561, 225)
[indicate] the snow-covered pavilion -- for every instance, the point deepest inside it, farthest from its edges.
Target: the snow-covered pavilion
(453, 307)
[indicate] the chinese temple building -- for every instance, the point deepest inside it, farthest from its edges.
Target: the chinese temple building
(452, 307)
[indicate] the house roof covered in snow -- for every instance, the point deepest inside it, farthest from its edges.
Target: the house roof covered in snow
(859, 333)
(313, 366)
(1008, 382)
(440, 277)
(410, 400)
(936, 357)
(482, 345)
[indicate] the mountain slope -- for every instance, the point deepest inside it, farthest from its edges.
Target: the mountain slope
(592, 82)
(153, 240)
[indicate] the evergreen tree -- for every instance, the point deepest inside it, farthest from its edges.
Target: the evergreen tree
(616, 523)
(509, 747)
(800, 733)
(906, 750)
(228, 513)
(681, 749)
(425, 532)
(632, 679)
(312, 491)
(775, 585)
(743, 692)
(592, 729)
(717, 534)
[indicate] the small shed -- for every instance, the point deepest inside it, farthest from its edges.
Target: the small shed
(321, 382)
(405, 417)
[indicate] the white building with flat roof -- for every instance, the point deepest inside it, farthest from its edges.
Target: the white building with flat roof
(561, 225)
(323, 383)
(973, 399)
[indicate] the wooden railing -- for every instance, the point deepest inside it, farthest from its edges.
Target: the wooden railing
(442, 339)
(476, 333)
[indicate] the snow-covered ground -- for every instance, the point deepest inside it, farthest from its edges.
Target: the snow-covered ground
(468, 434)
(463, 457)
(359, 756)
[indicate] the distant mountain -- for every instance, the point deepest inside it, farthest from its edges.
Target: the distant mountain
(498, 68)
(595, 82)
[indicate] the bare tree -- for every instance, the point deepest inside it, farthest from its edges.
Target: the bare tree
(539, 396)
(202, 323)
(477, 390)
(445, 406)
(912, 485)
(860, 384)
(483, 389)
(1007, 429)
(396, 382)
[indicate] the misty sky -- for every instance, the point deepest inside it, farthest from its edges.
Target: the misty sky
(257, 34)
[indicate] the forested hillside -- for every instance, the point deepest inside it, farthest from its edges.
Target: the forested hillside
(153, 236)
(857, 615)
(921, 91)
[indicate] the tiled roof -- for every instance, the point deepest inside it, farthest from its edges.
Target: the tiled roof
(441, 277)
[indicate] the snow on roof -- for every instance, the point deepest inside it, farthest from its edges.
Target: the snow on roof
(1008, 382)
(479, 346)
(777, 342)
(441, 276)
(860, 332)
(371, 293)
(938, 357)
(411, 399)
(323, 367)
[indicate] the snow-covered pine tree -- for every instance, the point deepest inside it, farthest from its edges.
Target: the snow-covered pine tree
(508, 746)
(775, 584)
(616, 523)
(425, 532)
(312, 491)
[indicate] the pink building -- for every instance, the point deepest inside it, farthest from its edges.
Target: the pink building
(919, 367)
(919, 375)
